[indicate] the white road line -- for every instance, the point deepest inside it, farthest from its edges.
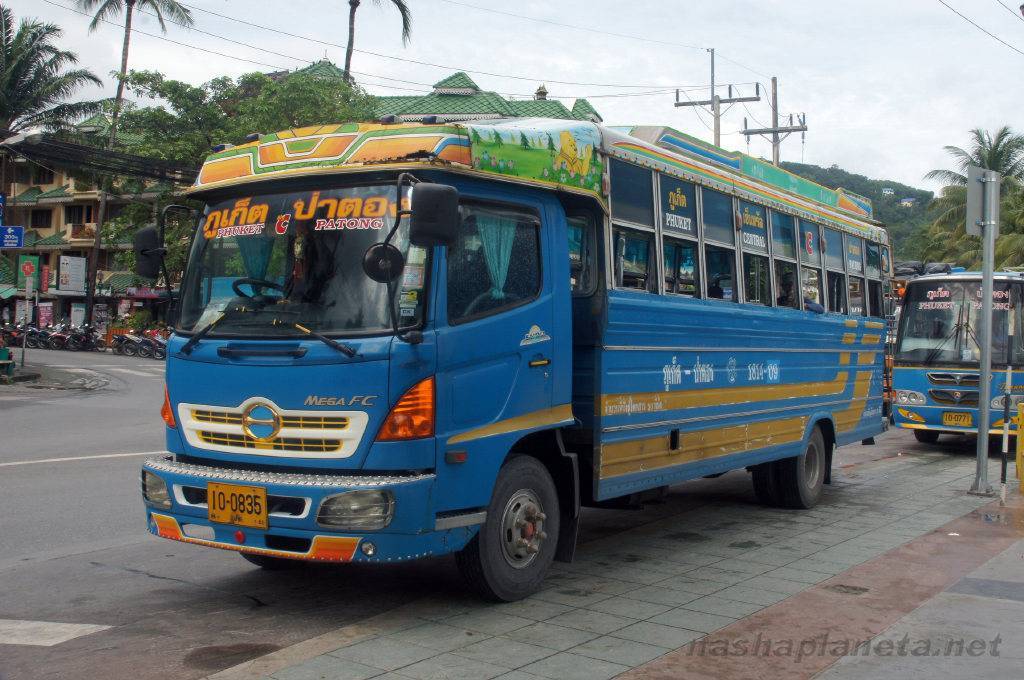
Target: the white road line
(43, 633)
(65, 460)
(131, 371)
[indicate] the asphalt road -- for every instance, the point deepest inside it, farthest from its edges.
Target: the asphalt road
(73, 546)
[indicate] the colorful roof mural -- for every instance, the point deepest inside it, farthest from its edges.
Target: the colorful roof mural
(673, 140)
(459, 98)
(556, 153)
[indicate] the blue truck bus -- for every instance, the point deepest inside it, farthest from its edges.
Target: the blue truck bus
(397, 340)
(937, 357)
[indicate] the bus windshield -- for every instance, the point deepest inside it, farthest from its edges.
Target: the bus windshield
(262, 264)
(940, 323)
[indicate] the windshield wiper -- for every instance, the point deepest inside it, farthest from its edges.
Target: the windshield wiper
(202, 332)
(347, 350)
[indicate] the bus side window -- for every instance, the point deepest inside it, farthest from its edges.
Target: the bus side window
(721, 272)
(633, 259)
(857, 301)
(494, 263)
(810, 287)
(836, 292)
(582, 253)
(785, 278)
(758, 283)
(875, 299)
(681, 268)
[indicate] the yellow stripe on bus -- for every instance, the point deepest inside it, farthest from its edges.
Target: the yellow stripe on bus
(652, 453)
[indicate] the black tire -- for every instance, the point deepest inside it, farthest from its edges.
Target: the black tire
(145, 352)
(506, 562)
(766, 483)
(801, 477)
(271, 563)
(73, 344)
(160, 353)
(57, 343)
(129, 349)
(926, 436)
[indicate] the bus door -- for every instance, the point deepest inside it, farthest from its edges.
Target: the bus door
(497, 351)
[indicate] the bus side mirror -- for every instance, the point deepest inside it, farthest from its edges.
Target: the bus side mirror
(149, 252)
(435, 215)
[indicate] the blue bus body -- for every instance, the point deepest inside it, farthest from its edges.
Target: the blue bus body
(936, 361)
(615, 391)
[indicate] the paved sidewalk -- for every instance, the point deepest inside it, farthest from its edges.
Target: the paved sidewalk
(635, 599)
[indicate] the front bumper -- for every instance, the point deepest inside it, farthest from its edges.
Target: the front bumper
(293, 531)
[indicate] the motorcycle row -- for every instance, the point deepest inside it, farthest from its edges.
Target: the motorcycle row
(149, 344)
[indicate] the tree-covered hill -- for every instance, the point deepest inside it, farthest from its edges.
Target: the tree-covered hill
(905, 225)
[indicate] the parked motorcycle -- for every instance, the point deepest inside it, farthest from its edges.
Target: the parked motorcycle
(85, 338)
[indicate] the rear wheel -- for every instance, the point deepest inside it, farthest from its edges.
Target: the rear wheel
(129, 349)
(926, 436)
(144, 351)
(801, 477)
(510, 555)
(270, 563)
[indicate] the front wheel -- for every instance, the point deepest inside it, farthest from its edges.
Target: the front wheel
(145, 351)
(129, 349)
(510, 555)
(926, 436)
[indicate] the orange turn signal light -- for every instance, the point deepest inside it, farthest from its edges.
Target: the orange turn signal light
(413, 416)
(166, 412)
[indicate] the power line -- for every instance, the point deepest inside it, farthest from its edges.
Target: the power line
(1011, 11)
(360, 73)
(588, 29)
(447, 67)
(979, 27)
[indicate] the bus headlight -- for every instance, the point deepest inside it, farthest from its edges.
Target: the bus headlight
(364, 510)
(1015, 400)
(909, 397)
(154, 490)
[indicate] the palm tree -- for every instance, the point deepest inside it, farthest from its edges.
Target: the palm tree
(947, 237)
(105, 9)
(1002, 152)
(34, 80)
(403, 8)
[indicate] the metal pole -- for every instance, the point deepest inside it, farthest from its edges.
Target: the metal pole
(716, 104)
(1007, 391)
(775, 121)
(990, 225)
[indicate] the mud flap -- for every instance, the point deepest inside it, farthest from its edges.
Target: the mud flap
(569, 506)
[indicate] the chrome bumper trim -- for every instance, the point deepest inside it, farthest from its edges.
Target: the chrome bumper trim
(455, 521)
(167, 464)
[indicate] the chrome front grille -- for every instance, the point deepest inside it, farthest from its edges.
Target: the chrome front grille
(276, 444)
(961, 379)
(295, 433)
(954, 397)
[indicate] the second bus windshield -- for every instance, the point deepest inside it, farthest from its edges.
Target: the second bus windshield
(941, 323)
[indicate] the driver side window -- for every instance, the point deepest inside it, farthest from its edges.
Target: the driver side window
(494, 263)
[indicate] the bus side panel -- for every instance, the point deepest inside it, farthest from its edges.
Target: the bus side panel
(693, 387)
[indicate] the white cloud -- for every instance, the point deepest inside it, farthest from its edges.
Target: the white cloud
(884, 84)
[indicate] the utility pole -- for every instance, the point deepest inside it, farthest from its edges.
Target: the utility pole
(776, 132)
(715, 102)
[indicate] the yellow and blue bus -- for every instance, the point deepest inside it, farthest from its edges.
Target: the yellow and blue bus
(397, 340)
(937, 357)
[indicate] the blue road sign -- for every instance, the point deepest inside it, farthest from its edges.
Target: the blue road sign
(12, 237)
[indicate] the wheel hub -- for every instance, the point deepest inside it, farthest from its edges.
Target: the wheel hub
(522, 528)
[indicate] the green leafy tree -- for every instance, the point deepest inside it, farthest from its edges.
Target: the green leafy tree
(946, 237)
(36, 79)
(496, 138)
(106, 10)
(523, 141)
(300, 100)
(475, 136)
(353, 5)
(551, 145)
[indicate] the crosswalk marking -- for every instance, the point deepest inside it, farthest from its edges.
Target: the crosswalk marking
(43, 633)
(132, 371)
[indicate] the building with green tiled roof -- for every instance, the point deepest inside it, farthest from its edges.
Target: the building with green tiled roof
(458, 98)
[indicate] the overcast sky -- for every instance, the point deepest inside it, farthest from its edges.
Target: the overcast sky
(884, 83)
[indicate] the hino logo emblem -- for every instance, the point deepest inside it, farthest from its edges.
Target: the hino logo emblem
(261, 422)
